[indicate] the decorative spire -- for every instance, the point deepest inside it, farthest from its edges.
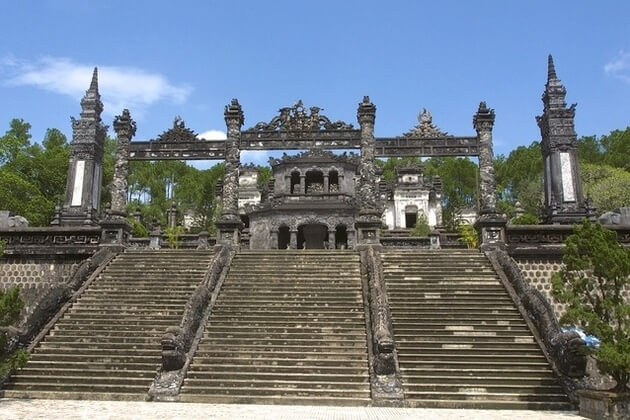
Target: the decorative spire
(91, 102)
(551, 69)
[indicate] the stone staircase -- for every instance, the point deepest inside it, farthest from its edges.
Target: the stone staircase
(461, 341)
(288, 327)
(107, 345)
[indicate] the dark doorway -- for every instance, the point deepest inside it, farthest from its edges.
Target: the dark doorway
(284, 237)
(411, 219)
(295, 182)
(314, 182)
(312, 236)
(245, 220)
(341, 237)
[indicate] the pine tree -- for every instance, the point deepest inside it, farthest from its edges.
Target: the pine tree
(596, 272)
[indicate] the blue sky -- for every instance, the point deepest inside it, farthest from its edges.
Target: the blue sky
(161, 59)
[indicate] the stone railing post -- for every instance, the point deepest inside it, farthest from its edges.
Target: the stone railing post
(229, 224)
(293, 239)
(491, 223)
(331, 239)
(155, 236)
(369, 221)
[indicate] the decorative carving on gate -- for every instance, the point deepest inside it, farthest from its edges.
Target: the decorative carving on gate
(425, 127)
(178, 133)
(295, 118)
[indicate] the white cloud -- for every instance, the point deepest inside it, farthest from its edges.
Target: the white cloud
(120, 87)
(257, 157)
(619, 66)
(212, 135)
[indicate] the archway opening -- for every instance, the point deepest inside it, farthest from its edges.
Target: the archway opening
(312, 236)
(341, 237)
(333, 181)
(284, 237)
(314, 182)
(295, 182)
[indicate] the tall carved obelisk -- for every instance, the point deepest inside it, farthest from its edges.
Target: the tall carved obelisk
(85, 172)
(564, 199)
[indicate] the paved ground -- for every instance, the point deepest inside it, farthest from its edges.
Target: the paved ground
(64, 409)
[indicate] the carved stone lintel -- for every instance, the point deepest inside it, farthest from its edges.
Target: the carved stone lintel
(425, 127)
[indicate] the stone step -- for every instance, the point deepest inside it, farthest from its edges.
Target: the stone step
(106, 341)
(79, 386)
(246, 398)
(80, 346)
(488, 404)
(351, 376)
(258, 371)
(473, 357)
(347, 384)
(70, 365)
(280, 357)
(462, 381)
(319, 341)
(480, 395)
(142, 379)
(121, 359)
(419, 373)
(60, 348)
(406, 332)
(330, 336)
(248, 389)
(469, 338)
(284, 329)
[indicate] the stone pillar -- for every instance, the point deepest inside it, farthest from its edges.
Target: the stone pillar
(273, 244)
(326, 184)
(491, 223)
(125, 129)
(229, 224)
(369, 221)
(331, 239)
(155, 236)
(85, 171)
(483, 122)
(171, 216)
(302, 184)
(293, 239)
(564, 199)
(202, 241)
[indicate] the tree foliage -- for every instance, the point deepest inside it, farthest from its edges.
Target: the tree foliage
(609, 187)
(596, 272)
(422, 227)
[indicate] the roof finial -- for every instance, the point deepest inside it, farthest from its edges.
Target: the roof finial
(94, 83)
(551, 69)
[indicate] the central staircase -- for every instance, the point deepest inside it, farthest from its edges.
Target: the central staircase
(107, 345)
(288, 327)
(461, 342)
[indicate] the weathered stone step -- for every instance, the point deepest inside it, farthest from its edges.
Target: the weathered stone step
(460, 329)
(487, 347)
(419, 312)
(251, 390)
(473, 357)
(288, 300)
(472, 395)
(100, 351)
(191, 396)
(534, 372)
(295, 293)
(479, 337)
(486, 404)
(119, 360)
(279, 322)
(351, 376)
(104, 340)
(458, 317)
(70, 365)
(254, 371)
(263, 335)
(208, 346)
(339, 360)
(284, 329)
(327, 342)
(115, 304)
(484, 364)
(99, 322)
(100, 346)
(92, 300)
(318, 311)
(474, 381)
(346, 385)
(288, 303)
(542, 390)
(131, 380)
(79, 386)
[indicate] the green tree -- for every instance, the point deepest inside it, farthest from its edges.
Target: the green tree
(422, 226)
(609, 187)
(616, 147)
(596, 272)
(519, 178)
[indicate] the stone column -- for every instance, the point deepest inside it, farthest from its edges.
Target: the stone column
(171, 216)
(302, 184)
(483, 122)
(491, 223)
(274, 239)
(326, 184)
(116, 228)
(293, 239)
(369, 221)
(331, 239)
(125, 129)
(229, 223)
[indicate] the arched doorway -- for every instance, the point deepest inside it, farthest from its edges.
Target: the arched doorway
(341, 237)
(312, 236)
(284, 237)
(333, 181)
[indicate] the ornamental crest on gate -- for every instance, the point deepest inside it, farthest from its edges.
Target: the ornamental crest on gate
(296, 118)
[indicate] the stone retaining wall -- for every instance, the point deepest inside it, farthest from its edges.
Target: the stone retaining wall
(35, 275)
